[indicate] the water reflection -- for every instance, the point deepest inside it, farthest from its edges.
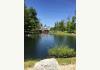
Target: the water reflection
(38, 45)
(29, 46)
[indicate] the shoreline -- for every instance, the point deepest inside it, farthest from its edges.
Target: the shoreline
(62, 33)
(61, 61)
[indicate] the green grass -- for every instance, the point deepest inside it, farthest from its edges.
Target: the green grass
(62, 33)
(61, 61)
(61, 51)
(30, 63)
(66, 60)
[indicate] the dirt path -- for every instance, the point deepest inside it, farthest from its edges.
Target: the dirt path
(63, 67)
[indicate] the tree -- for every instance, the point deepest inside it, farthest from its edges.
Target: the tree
(31, 21)
(61, 26)
(74, 22)
(71, 25)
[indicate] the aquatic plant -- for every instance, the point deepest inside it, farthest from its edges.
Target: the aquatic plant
(61, 51)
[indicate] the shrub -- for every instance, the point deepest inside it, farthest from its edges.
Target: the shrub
(62, 51)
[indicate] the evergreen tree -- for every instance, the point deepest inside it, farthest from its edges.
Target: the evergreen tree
(71, 25)
(31, 22)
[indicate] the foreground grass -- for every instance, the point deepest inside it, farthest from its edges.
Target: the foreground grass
(62, 33)
(30, 63)
(61, 61)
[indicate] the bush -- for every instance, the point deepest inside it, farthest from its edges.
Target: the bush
(62, 51)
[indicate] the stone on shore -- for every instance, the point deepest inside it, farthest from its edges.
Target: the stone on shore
(47, 64)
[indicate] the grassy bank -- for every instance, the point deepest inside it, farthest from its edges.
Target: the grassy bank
(30, 63)
(63, 54)
(61, 51)
(61, 61)
(62, 33)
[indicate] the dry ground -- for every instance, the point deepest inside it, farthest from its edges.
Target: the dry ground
(63, 67)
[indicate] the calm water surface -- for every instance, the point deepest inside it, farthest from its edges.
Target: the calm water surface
(38, 45)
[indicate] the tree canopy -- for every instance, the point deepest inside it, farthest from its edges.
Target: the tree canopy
(31, 21)
(69, 26)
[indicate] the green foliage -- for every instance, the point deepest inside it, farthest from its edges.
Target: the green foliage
(59, 26)
(62, 51)
(31, 22)
(71, 25)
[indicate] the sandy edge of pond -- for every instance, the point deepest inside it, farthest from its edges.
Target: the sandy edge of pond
(62, 67)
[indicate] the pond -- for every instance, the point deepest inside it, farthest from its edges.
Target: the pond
(39, 44)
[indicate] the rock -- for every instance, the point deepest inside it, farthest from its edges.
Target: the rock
(47, 64)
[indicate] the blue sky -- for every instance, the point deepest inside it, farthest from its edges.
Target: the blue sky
(51, 11)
